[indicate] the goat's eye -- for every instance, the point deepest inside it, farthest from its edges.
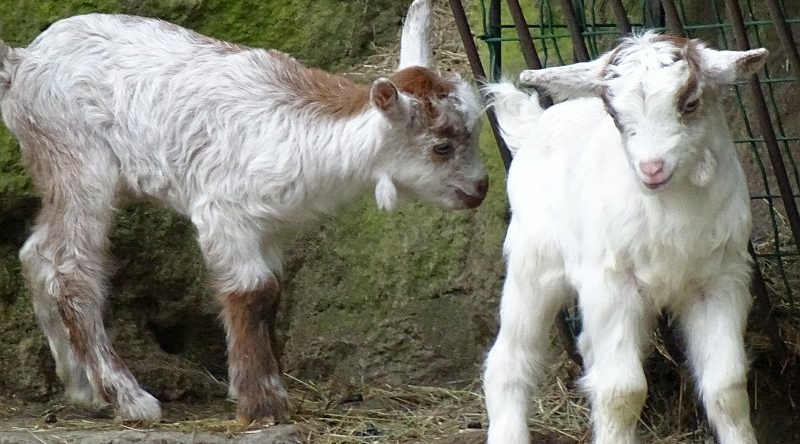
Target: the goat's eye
(690, 107)
(442, 149)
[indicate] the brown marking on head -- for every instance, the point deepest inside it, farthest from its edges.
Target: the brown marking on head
(610, 110)
(688, 50)
(693, 84)
(424, 84)
(253, 354)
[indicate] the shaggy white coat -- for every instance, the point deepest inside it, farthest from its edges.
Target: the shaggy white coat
(632, 198)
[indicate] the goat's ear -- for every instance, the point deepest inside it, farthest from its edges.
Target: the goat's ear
(726, 67)
(386, 98)
(415, 42)
(576, 80)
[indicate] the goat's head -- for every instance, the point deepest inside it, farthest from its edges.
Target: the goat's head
(434, 125)
(662, 94)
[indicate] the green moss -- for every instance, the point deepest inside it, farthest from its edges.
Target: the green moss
(366, 278)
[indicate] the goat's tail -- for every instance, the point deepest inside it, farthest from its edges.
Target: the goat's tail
(517, 112)
(5, 68)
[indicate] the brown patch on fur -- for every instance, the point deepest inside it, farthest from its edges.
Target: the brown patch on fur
(688, 51)
(611, 111)
(675, 40)
(691, 53)
(333, 96)
(425, 85)
(253, 354)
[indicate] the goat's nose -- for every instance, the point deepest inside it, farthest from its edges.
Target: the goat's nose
(482, 186)
(651, 167)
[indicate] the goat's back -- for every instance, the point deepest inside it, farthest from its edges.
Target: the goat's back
(166, 105)
(119, 65)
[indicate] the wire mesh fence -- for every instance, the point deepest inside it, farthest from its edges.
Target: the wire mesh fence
(764, 113)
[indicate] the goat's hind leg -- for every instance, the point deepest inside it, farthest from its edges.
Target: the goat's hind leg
(533, 292)
(65, 263)
(38, 263)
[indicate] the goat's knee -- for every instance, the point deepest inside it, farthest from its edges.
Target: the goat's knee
(507, 381)
(37, 262)
(618, 395)
(728, 410)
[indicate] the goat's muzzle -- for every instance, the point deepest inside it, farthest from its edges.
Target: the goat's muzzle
(473, 200)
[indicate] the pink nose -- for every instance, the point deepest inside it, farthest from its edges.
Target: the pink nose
(652, 167)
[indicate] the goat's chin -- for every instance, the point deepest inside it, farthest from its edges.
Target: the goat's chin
(657, 186)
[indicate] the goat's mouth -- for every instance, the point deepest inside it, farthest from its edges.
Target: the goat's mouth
(657, 185)
(469, 201)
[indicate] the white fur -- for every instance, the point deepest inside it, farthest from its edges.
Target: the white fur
(584, 222)
(108, 107)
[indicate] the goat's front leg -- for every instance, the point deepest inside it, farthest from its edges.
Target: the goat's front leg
(254, 366)
(248, 290)
(617, 325)
(713, 324)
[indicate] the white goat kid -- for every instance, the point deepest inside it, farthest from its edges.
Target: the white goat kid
(246, 142)
(632, 198)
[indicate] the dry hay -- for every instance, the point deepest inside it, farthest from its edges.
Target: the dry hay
(415, 414)
(381, 414)
(448, 51)
(781, 277)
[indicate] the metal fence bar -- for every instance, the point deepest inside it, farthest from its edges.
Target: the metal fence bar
(765, 126)
(764, 307)
(621, 17)
(525, 39)
(785, 36)
(532, 60)
(495, 41)
(460, 17)
(579, 51)
(674, 23)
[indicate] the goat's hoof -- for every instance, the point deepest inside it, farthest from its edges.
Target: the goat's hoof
(139, 407)
(244, 421)
(267, 411)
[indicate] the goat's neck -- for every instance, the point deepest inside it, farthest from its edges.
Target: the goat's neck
(345, 154)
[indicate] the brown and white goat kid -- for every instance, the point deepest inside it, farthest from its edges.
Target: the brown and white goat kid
(246, 142)
(633, 198)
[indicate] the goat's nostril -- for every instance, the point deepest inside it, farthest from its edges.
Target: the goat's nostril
(482, 186)
(651, 167)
